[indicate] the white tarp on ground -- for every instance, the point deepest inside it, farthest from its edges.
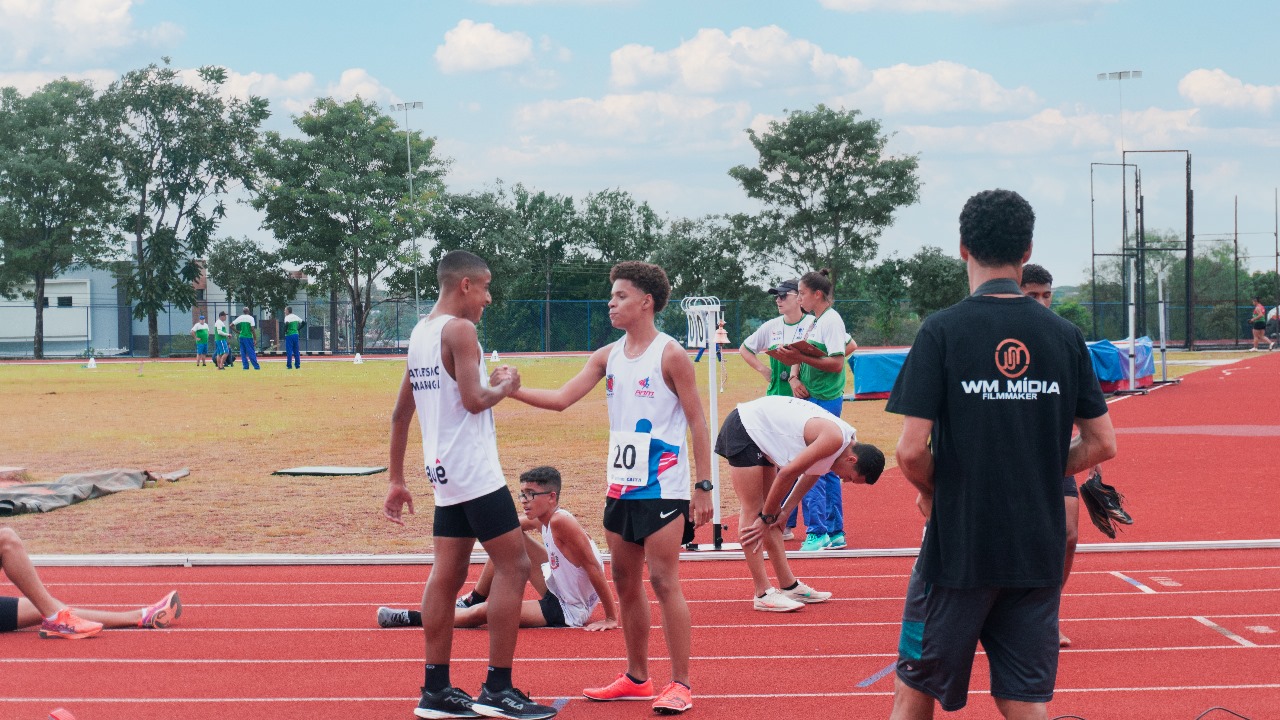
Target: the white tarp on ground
(69, 489)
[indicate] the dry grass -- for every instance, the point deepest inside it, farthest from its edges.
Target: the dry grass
(233, 428)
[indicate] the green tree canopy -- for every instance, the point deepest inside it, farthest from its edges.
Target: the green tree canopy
(338, 197)
(59, 202)
(180, 146)
(828, 186)
(252, 277)
(934, 280)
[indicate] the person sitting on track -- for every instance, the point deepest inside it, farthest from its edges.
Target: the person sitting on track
(566, 572)
(777, 448)
(55, 619)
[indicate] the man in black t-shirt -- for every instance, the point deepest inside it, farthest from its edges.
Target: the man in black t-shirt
(990, 390)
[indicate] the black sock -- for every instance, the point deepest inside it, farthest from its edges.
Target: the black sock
(792, 586)
(633, 679)
(477, 598)
(499, 679)
(415, 618)
(436, 678)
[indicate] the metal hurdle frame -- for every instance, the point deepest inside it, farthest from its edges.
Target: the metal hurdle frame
(703, 314)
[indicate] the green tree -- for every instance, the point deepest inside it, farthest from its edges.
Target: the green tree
(179, 148)
(59, 203)
(253, 277)
(934, 280)
(828, 187)
(614, 227)
(338, 199)
(1077, 314)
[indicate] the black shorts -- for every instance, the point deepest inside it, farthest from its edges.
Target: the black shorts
(1260, 325)
(1069, 488)
(8, 614)
(551, 610)
(483, 518)
(735, 445)
(636, 520)
(941, 628)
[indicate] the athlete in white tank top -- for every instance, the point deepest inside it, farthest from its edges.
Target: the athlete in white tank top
(570, 583)
(647, 426)
(460, 448)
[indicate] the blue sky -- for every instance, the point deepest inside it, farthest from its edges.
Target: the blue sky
(653, 96)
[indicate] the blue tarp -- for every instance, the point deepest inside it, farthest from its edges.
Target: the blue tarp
(874, 372)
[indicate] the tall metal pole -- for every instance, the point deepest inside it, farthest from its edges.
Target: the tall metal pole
(417, 258)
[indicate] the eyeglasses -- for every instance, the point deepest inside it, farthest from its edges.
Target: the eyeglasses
(785, 294)
(529, 496)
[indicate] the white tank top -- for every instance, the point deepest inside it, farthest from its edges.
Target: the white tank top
(460, 449)
(776, 425)
(640, 402)
(569, 582)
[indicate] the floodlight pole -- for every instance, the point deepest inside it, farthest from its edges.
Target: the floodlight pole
(1120, 76)
(406, 107)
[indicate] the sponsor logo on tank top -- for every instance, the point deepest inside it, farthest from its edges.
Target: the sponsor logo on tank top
(425, 378)
(554, 560)
(644, 389)
(608, 386)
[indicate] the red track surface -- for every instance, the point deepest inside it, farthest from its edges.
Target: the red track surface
(1156, 635)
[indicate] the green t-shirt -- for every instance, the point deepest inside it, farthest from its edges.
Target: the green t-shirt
(220, 330)
(774, 333)
(244, 326)
(291, 324)
(202, 333)
(830, 336)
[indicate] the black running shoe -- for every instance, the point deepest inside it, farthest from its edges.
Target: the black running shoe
(467, 601)
(1109, 498)
(448, 703)
(511, 704)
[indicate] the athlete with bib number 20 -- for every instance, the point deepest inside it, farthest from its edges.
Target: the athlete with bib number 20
(653, 401)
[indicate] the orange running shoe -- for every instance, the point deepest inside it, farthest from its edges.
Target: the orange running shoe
(622, 688)
(61, 714)
(162, 613)
(675, 699)
(66, 625)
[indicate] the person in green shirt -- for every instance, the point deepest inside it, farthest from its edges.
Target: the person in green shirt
(245, 326)
(200, 331)
(292, 356)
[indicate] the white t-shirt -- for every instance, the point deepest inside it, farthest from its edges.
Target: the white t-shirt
(776, 332)
(776, 425)
(460, 448)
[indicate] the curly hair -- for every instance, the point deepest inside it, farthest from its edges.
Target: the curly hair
(996, 227)
(650, 278)
(544, 475)
(818, 281)
(1033, 274)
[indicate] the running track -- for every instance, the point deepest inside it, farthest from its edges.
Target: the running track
(1156, 634)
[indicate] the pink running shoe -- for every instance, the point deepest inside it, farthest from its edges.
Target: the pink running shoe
(162, 613)
(66, 625)
(61, 714)
(621, 688)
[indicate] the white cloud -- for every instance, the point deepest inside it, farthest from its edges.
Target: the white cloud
(28, 82)
(46, 32)
(296, 93)
(475, 47)
(1215, 88)
(556, 2)
(938, 87)
(744, 58)
(1053, 131)
(638, 118)
(960, 7)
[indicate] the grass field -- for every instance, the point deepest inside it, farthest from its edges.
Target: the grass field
(233, 428)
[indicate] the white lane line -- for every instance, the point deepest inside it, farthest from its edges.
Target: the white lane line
(1225, 632)
(1133, 582)
(723, 696)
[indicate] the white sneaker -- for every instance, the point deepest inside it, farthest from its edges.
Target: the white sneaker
(775, 601)
(805, 594)
(788, 534)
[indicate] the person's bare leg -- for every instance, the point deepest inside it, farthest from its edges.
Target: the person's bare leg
(537, 556)
(773, 541)
(506, 592)
(626, 563)
(452, 555)
(1018, 710)
(909, 703)
(1073, 537)
(28, 616)
(16, 565)
(748, 484)
(485, 581)
(662, 553)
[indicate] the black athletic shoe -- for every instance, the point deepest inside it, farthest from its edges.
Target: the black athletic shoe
(1109, 498)
(467, 601)
(511, 704)
(448, 703)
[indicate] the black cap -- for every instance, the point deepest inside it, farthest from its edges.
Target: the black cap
(786, 286)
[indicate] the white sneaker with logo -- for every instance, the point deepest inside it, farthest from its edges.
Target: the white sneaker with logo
(775, 601)
(805, 594)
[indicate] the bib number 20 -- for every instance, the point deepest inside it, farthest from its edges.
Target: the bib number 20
(628, 458)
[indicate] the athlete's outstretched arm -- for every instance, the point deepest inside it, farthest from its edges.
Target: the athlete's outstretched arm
(571, 392)
(679, 372)
(460, 352)
(398, 495)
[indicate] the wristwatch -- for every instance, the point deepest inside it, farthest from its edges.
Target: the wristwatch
(768, 519)
(704, 485)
